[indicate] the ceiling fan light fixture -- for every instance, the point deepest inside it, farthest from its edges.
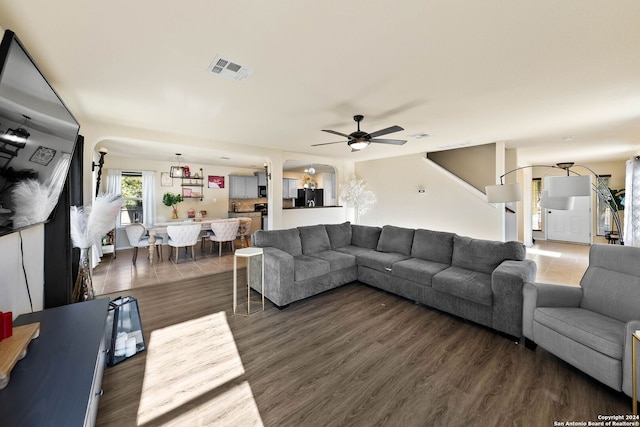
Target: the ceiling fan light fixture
(358, 145)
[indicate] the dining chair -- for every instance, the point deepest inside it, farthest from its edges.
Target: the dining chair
(244, 230)
(183, 236)
(136, 233)
(224, 231)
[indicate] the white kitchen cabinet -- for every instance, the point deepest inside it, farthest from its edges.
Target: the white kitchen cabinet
(262, 178)
(243, 187)
(289, 188)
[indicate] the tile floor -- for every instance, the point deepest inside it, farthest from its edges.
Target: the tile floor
(119, 274)
(562, 263)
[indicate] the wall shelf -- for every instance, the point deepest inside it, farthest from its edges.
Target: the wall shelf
(192, 187)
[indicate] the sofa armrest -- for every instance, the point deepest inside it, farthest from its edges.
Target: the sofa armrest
(278, 275)
(627, 383)
(507, 281)
(546, 295)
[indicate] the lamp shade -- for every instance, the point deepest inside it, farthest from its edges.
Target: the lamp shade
(569, 186)
(503, 193)
(557, 203)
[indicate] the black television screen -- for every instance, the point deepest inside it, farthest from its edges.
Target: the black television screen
(37, 138)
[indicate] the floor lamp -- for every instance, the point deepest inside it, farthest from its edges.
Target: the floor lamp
(561, 191)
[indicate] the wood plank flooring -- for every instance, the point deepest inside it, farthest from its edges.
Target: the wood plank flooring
(354, 356)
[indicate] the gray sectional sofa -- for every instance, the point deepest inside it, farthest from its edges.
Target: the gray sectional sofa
(479, 280)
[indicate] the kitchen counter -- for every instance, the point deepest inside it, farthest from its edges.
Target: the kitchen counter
(312, 207)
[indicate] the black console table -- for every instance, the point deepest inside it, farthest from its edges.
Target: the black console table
(58, 382)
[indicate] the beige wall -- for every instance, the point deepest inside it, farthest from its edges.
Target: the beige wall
(475, 165)
(445, 205)
(215, 201)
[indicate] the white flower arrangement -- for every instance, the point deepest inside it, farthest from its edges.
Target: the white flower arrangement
(354, 193)
(89, 224)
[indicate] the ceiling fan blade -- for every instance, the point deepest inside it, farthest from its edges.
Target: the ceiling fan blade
(335, 133)
(388, 141)
(328, 143)
(386, 131)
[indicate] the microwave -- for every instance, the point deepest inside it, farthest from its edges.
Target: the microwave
(262, 191)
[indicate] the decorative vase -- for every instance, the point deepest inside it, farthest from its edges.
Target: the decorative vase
(175, 212)
(83, 289)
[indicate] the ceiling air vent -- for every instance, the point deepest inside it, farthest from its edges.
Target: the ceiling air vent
(229, 70)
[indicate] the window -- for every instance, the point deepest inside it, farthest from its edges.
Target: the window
(536, 210)
(603, 210)
(132, 208)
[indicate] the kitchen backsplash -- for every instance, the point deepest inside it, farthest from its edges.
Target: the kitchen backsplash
(245, 205)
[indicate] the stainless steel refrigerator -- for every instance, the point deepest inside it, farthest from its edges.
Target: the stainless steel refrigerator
(308, 197)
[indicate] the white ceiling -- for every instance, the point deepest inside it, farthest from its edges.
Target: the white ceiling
(466, 72)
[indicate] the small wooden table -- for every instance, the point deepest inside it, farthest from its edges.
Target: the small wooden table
(635, 338)
(247, 253)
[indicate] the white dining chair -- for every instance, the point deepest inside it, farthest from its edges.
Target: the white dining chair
(224, 231)
(183, 236)
(136, 233)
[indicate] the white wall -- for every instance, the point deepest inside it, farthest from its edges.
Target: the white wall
(445, 206)
(13, 287)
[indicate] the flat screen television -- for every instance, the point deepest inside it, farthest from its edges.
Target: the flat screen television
(37, 137)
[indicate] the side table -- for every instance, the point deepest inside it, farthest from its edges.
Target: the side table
(635, 339)
(247, 253)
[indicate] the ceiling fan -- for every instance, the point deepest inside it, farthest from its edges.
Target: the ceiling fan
(359, 139)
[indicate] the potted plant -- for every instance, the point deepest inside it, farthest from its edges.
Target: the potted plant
(172, 201)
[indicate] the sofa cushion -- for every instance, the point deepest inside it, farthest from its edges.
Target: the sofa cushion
(337, 260)
(365, 236)
(314, 238)
(339, 234)
(353, 250)
(484, 255)
(380, 261)
(601, 333)
(611, 284)
(418, 270)
(395, 239)
(466, 284)
(285, 240)
(436, 246)
(307, 267)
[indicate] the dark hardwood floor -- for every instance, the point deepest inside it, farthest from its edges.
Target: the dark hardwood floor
(354, 356)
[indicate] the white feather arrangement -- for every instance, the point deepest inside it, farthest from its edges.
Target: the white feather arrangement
(89, 224)
(354, 193)
(33, 202)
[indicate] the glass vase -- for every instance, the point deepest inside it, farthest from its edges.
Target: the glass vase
(83, 289)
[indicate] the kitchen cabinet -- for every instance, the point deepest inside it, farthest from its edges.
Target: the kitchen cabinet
(262, 178)
(243, 187)
(289, 188)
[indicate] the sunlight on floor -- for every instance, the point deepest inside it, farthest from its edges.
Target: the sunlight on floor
(185, 362)
(543, 252)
